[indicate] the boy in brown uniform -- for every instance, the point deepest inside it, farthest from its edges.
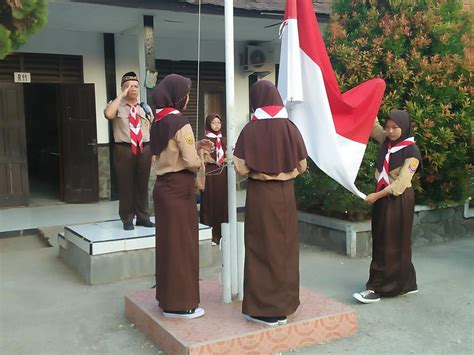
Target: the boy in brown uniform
(132, 154)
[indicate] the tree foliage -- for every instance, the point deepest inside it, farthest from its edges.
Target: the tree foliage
(19, 19)
(420, 48)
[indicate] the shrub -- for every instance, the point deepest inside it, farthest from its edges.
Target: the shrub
(418, 48)
(19, 19)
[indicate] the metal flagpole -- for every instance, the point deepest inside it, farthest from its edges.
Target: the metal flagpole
(230, 99)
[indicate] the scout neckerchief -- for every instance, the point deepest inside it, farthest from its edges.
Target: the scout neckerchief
(165, 111)
(135, 125)
(267, 112)
(219, 149)
(383, 179)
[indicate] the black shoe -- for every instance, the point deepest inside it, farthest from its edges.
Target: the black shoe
(128, 226)
(148, 224)
(187, 314)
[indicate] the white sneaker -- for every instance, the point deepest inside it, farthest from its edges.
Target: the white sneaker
(412, 292)
(367, 296)
(187, 314)
(268, 321)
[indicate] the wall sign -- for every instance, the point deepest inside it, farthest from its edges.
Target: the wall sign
(21, 77)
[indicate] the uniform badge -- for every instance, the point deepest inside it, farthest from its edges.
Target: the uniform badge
(412, 167)
(189, 138)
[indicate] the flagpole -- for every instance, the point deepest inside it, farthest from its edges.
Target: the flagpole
(231, 189)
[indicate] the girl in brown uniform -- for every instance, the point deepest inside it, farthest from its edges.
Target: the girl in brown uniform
(175, 162)
(271, 151)
(391, 270)
(214, 197)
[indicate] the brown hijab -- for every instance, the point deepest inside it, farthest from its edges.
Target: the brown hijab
(170, 92)
(209, 118)
(397, 159)
(269, 146)
(223, 142)
(264, 93)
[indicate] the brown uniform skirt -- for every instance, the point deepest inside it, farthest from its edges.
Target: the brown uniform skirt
(177, 242)
(271, 273)
(214, 208)
(391, 270)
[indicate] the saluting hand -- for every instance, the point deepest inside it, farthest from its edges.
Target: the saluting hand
(125, 91)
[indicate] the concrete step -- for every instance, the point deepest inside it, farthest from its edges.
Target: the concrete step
(224, 330)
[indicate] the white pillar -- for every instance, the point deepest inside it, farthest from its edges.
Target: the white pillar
(230, 101)
(226, 282)
(141, 58)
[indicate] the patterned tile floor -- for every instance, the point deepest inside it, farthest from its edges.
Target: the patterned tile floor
(224, 330)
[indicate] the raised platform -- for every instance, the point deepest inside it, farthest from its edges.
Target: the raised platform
(103, 252)
(224, 330)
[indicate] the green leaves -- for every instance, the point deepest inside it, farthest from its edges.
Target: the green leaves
(20, 20)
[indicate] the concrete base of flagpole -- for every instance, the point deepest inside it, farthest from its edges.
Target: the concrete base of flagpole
(224, 330)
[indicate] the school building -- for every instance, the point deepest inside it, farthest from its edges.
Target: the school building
(54, 140)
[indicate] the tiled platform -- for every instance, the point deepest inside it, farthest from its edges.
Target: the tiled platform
(109, 237)
(223, 329)
(103, 252)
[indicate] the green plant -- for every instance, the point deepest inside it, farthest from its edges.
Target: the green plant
(19, 19)
(419, 47)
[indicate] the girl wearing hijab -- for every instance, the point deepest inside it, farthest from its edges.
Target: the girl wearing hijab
(214, 197)
(271, 152)
(391, 270)
(175, 162)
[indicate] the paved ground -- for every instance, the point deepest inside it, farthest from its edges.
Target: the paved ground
(45, 308)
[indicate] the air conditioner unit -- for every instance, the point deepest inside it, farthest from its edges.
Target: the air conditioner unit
(256, 56)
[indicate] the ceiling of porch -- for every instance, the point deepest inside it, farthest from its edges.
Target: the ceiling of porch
(73, 16)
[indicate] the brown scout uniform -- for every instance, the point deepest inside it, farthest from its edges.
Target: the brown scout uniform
(177, 248)
(391, 270)
(133, 171)
(271, 152)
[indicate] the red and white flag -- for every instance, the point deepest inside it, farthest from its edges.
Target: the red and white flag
(335, 126)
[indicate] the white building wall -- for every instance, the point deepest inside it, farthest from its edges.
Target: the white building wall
(88, 44)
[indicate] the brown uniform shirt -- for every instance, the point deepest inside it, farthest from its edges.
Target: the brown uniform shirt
(243, 170)
(399, 178)
(180, 153)
(121, 123)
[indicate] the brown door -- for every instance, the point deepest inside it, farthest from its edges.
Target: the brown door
(80, 177)
(13, 157)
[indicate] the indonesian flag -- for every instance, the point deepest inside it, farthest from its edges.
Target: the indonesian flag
(335, 126)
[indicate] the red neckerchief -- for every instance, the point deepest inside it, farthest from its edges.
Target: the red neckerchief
(135, 125)
(219, 149)
(267, 112)
(383, 179)
(165, 111)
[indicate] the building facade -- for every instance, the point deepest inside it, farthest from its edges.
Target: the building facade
(55, 140)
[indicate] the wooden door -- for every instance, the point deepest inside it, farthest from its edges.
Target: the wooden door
(14, 187)
(80, 172)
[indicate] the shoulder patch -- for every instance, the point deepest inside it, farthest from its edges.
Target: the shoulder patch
(412, 166)
(189, 138)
